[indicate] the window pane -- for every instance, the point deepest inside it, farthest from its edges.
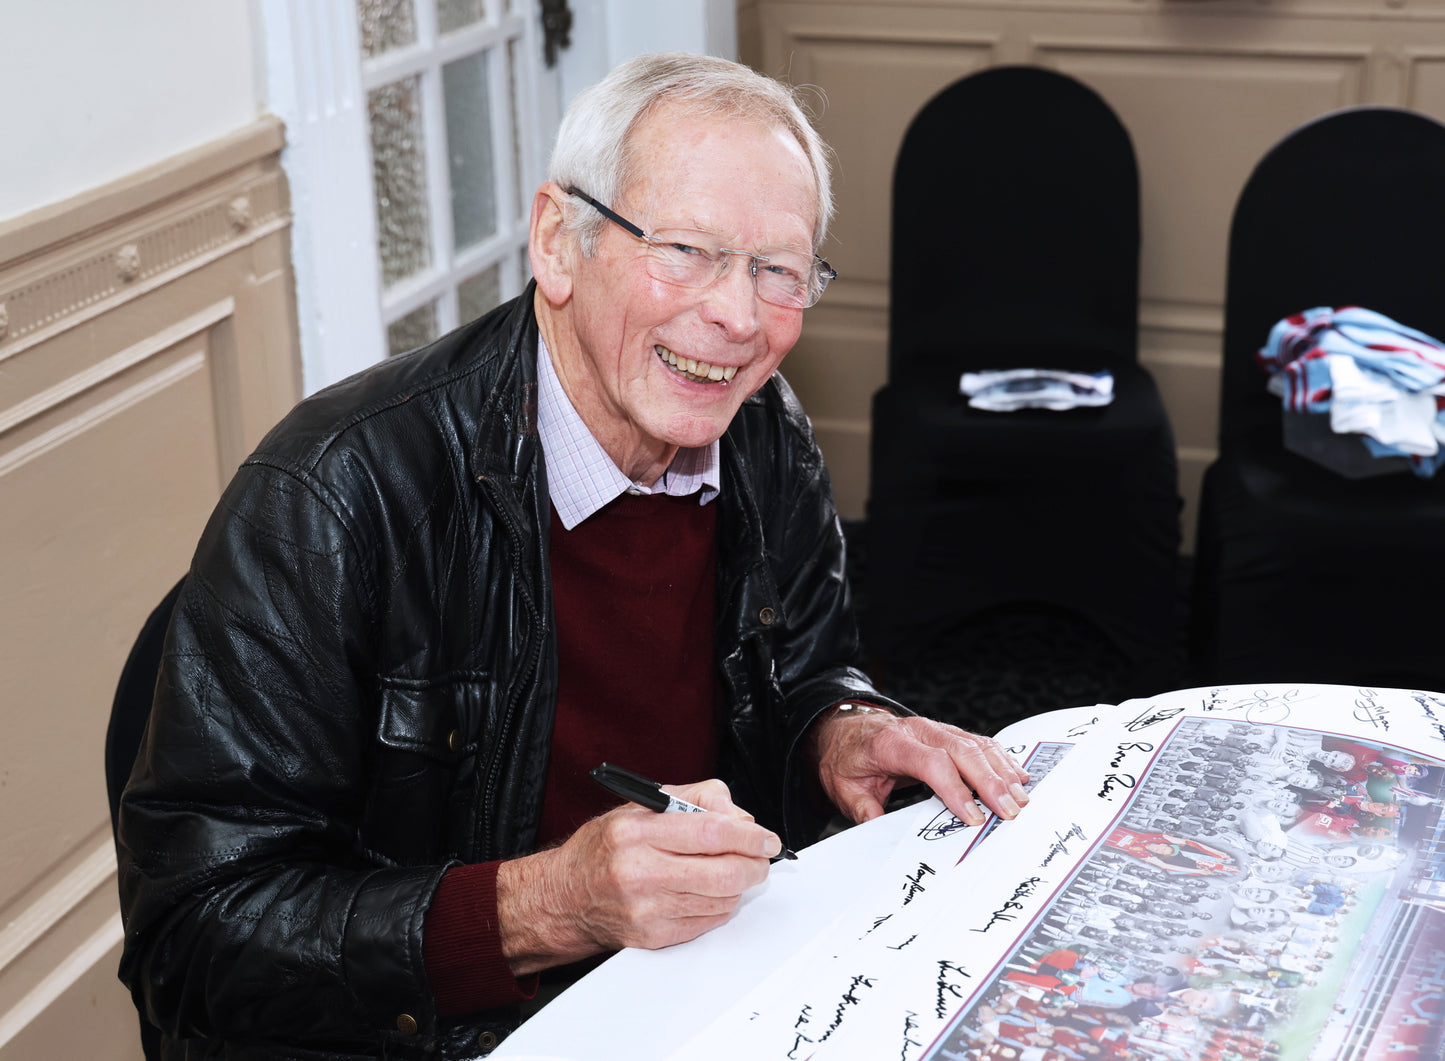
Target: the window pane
(455, 14)
(399, 175)
(524, 202)
(385, 24)
(417, 328)
(469, 147)
(477, 294)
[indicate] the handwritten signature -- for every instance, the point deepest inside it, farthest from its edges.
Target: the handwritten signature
(1023, 891)
(915, 882)
(1060, 846)
(1153, 718)
(1428, 704)
(1259, 707)
(1367, 710)
(910, 1025)
(946, 988)
(1125, 749)
(942, 824)
(1112, 781)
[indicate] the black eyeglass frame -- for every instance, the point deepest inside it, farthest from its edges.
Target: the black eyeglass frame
(822, 271)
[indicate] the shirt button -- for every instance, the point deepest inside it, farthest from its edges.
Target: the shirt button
(406, 1024)
(487, 1041)
(767, 616)
(454, 740)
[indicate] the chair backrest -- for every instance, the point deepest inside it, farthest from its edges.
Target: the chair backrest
(1015, 228)
(131, 706)
(129, 712)
(1348, 209)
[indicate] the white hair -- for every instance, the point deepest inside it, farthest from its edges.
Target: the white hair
(593, 151)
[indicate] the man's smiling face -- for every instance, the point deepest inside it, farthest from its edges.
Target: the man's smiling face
(651, 365)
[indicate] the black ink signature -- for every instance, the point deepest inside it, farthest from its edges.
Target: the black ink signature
(946, 988)
(1125, 749)
(942, 824)
(905, 943)
(1367, 710)
(1146, 720)
(1428, 704)
(1023, 891)
(1259, 707)
(876, 923)
(915, 883)
(1060, 845)
(850, 998)
(910, 1025)
(1110, 780)
(804, 1016)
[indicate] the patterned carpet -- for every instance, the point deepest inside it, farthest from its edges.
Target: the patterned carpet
(1005, 665)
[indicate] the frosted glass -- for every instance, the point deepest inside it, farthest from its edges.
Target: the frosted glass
(524, 204)
(399, 176)
(469, 150)
(417, 328)
(453, 15)
(385, 24)
(478, 294)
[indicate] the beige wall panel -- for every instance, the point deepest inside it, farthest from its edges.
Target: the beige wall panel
(92, 1019)
(846, 445)
(865, 125)
(1427, 83)
(147, 339)
(1199, 123)
(132, 500)
(834, 361)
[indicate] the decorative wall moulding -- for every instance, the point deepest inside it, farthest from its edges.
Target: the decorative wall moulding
(154, 249)
(127, 262)
(60, 264)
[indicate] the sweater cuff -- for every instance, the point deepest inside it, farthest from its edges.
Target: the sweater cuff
(462, 945)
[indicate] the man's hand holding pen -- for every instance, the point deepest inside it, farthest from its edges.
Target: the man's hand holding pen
(632, 878)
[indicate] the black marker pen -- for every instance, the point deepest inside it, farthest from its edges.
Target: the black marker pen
(646, 793)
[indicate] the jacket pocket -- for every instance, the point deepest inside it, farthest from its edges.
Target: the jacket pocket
(423, 767)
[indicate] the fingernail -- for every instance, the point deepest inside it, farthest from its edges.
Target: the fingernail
(1019, 793)
(772, 845)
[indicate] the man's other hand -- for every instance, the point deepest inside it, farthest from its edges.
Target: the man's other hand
(632, 878)
(862, 754)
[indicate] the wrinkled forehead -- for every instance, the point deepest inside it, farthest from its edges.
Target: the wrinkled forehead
(722, 174)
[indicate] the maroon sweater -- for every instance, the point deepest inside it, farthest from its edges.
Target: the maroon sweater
(633, 587)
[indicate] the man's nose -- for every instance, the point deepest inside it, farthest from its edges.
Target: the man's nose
(731, 300)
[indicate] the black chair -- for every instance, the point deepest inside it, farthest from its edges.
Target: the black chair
(129, 712)
(1302, 574)
(1016, 244)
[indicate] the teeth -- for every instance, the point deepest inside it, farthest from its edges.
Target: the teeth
(697, 370)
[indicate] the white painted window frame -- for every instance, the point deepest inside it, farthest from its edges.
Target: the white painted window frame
(314, 82)
(317, 82)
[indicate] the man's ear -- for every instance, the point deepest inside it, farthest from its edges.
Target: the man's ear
(552, 249)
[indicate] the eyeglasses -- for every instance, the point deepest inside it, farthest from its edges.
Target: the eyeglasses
(695, 259)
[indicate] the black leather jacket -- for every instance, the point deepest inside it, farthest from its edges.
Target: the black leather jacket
(358, 691)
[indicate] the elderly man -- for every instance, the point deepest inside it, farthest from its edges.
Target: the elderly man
(591, 525)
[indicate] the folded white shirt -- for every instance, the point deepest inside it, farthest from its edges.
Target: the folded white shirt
(1004, 390)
